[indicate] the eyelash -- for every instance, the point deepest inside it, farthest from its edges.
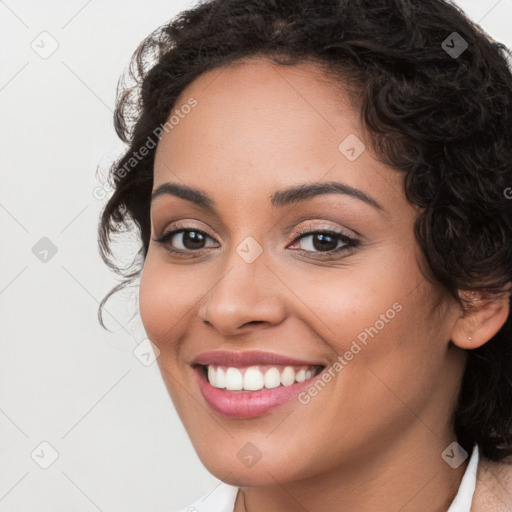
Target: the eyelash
(350, 243)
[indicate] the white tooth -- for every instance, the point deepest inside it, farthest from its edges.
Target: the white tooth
(288, 376)
(253, 379)
(220, 379)
(300, 376)
(212, 374)
(233, 379)
(272, 378)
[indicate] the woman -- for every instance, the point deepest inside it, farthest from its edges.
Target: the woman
(320, 190)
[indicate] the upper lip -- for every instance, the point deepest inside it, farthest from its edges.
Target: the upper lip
(249, 358)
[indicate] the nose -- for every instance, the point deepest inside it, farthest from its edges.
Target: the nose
(248, 294)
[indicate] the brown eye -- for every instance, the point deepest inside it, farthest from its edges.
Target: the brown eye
(190, 240)
(183, 240)
(324, 242)
(320, 242)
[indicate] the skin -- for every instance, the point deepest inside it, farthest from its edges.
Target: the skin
(384, 420)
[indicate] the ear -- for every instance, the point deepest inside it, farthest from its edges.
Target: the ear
(476, 328)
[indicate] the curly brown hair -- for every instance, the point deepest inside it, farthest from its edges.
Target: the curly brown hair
(435, 96)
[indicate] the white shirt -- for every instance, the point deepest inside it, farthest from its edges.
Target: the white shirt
(464, 497)
(222, 498)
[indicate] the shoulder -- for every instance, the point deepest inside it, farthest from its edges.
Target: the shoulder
(493, 491)
(221, 499)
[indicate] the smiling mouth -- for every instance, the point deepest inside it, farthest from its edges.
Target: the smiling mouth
(257, 377)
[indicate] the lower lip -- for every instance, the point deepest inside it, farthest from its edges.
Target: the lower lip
(248, 404)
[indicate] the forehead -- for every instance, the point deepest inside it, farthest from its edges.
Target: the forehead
(257, 100)
(260, 125)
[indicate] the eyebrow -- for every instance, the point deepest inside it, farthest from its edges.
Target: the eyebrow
(279, 199)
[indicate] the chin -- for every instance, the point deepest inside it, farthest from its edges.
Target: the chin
(264, 472)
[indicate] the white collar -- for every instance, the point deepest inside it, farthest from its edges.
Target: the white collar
(464, 497)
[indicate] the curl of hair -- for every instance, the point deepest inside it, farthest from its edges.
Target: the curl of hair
(445, 122)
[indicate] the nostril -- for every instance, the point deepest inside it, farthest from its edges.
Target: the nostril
(254, 322)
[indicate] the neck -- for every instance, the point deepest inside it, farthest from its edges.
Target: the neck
(404, 476)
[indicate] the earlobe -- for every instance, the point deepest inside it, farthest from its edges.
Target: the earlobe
(477, 327)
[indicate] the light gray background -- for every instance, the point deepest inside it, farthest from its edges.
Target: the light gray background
(63, 379)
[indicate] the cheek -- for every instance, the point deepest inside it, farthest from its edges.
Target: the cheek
(150, 299)
(390, 355)
(347, 302)
(376, 315)
(163, 300)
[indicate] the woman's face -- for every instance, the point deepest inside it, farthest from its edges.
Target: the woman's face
(254, 282)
